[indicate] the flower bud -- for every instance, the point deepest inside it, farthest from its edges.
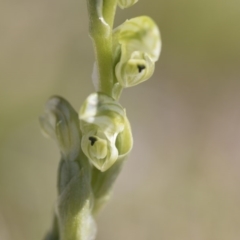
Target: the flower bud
(126, 3)
(60, 122)
(140, 45)
(102, 119)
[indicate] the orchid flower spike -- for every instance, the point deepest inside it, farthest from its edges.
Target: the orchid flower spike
(102, 119)
(137, 47)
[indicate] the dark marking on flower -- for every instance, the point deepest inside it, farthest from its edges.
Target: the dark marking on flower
(92, 140)
(141, 67)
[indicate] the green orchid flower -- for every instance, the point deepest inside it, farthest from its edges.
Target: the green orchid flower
(102, 119)
(137, 47)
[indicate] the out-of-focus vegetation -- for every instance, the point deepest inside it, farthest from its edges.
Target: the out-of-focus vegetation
(182, 179)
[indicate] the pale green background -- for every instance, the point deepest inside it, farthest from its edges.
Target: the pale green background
(182, 180)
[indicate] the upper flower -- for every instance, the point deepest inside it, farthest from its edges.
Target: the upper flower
(137, 47)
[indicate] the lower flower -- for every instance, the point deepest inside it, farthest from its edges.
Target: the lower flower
(105, 130)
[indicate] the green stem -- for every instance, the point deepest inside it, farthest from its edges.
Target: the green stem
(101, 16)
(109, 10)
(102, 184)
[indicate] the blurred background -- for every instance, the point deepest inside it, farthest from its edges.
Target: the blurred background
(182, 179)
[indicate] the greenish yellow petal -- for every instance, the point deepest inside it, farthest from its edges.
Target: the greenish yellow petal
(104, 112)
(124, 141)
(126, 3)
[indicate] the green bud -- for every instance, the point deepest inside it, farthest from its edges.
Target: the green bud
(102, 120)
(139, 42)
(60, 122)
(126, 3)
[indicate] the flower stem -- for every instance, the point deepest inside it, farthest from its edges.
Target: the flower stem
(101, 18)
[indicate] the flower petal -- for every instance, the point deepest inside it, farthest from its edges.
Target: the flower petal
(126, 3)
